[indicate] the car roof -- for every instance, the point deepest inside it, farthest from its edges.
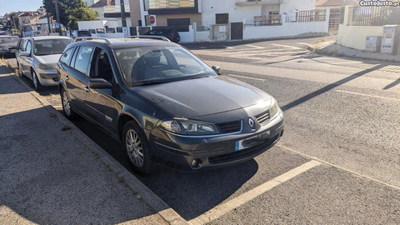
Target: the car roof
(118, 43)
(8, 36)
(50, 38)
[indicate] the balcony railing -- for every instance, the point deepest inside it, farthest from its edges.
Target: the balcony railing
(257, 2)
(115, 9)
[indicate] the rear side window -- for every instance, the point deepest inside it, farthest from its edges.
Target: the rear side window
(28, 47)
(66, 57)
(82, 60)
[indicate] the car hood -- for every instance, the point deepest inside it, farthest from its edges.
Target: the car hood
(8, 45)
(48, 59)
(204, 96)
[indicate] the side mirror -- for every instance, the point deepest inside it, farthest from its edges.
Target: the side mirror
(24, 54)
(99, 83)
(217, 69)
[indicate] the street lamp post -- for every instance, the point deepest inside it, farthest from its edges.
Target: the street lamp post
(123, 18)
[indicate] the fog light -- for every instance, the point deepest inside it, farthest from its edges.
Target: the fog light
(195, 163)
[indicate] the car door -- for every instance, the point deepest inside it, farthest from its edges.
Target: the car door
(78, 77)
(101, 103)
(26, 61)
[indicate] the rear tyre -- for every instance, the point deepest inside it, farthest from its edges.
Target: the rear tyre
(20, 74)
(137, 148)
(66, 104)
(36, 82)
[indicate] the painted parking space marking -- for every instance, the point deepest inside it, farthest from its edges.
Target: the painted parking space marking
(251, 78)
(367, 95)
(226, 207)
(286, 46)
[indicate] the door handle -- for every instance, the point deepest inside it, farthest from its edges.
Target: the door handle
(67, 77)
(86, 88)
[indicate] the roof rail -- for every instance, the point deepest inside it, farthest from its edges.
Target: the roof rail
(150, 37)
(91, 38)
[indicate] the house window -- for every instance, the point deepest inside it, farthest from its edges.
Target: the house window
(274, 17)
(222, 18)
(110, 30)
(179, 24)
(100, 30)
(119, 29)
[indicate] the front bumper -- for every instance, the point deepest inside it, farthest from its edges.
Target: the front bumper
(7, 53)
(178, 152)
(48, 78)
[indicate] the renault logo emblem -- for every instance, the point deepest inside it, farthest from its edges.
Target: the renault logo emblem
(252, 124)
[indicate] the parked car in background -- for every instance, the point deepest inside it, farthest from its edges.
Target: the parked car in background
(8, 45)
(37, 58)
(81, 34)
(171, 34)
(165, 105)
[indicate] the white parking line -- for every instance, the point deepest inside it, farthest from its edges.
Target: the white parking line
(366, 95)
(286, 46)
(224, 208)
(302, 43)
(251, 78)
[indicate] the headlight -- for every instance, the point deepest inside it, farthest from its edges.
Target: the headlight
(189, 127)
(46, 66)
(274, 108)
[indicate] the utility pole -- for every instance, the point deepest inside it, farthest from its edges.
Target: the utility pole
(123, 18)
(58, 18)
(48, 22)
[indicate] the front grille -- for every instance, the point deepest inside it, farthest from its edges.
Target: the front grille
(263, 118)
(243, 153)
(230, 127)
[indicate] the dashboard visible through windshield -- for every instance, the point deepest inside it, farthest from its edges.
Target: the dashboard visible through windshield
(158, 64)
(50, 47)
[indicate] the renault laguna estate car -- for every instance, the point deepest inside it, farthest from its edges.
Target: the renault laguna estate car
(37, 58)
(165, 105)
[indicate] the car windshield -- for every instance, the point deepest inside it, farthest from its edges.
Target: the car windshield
(160, 64)
(51, 47)
(9, 40)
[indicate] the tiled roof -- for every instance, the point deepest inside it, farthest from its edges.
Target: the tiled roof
(336, 2)
(103, 3)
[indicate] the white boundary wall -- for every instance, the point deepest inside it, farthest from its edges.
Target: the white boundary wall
(286, 30)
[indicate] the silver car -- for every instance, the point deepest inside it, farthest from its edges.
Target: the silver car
(37, 58)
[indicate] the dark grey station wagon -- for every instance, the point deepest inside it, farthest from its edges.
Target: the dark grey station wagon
(165, 105)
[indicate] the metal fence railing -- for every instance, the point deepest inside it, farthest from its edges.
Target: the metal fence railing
(374, 16)
(307, 16)
(266, 20)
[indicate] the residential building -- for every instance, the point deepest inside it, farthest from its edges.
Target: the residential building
(99, 7)
(91, 2)
(336, 11)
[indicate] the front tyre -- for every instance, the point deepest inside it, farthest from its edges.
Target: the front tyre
(136, 148)
(36, 82)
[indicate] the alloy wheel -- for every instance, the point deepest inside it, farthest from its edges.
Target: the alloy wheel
(135, 148)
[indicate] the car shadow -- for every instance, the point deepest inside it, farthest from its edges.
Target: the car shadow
(48, 177)
(189, 193)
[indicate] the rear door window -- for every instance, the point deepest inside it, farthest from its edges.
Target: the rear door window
(82, 59)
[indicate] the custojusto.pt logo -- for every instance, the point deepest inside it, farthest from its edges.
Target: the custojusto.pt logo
(379, 3)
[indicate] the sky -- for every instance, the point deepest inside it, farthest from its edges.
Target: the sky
(7, 6)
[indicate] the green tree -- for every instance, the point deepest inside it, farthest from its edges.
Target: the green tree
(14, 20)
(71, 10)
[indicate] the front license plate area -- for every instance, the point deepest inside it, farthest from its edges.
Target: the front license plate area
(252, 141)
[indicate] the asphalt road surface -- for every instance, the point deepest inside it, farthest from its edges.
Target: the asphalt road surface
(339, 159)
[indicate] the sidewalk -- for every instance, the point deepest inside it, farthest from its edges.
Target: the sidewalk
(329, 47)
(49, 176)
